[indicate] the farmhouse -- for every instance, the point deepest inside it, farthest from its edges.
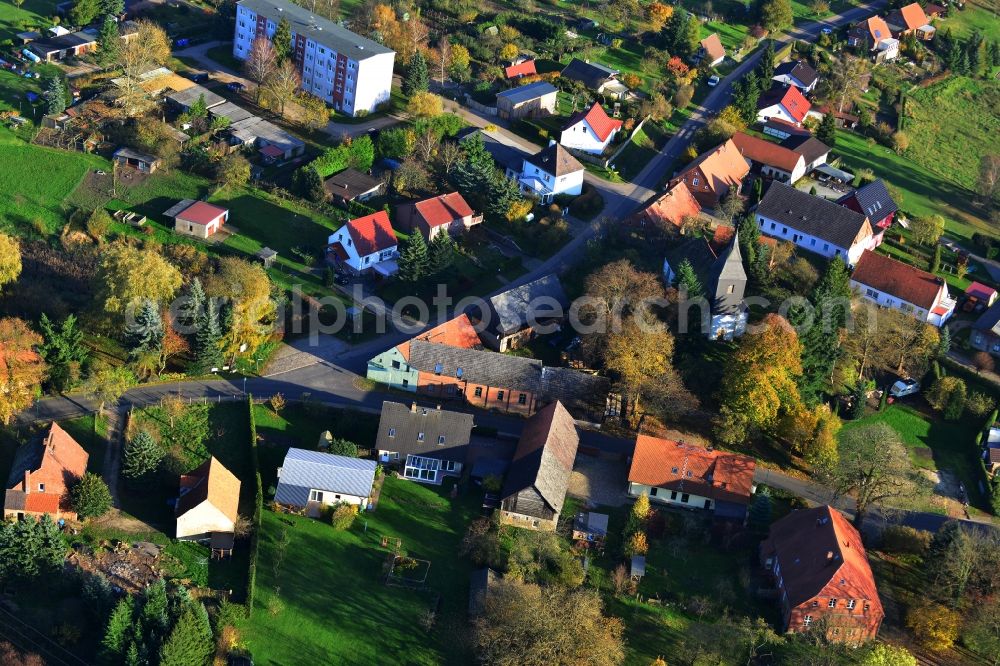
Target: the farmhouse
(874, 201)
(428, 444)
(782, 101)
(692, 477)
(909, 20)
(515, 316)
(598, 78)
(874, 36)
(392, 367)
(818, 562)
(796, 73)
(311, 479)
(42, 474)
(815, 224)
(673, 207)
(350, 72)
(712, 52)
(352, 185)
(534, 489)
(813, 151)
(365, 244)
(527, 101)
(197, 218)
(985, 335)
(892, 284)
(724, 280)
(773, 160)
(714, 173)
(550, 172)
(209, 502)
(590, 131)
(445, 213)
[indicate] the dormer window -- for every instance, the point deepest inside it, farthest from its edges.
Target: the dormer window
(438, 368)
(392, 432)
(440, 439)
(458, 373)
(420, 436)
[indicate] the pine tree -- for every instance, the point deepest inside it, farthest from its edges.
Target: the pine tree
(502, 193)
(153, 616)
(282, 40)
(51, 546)
(117, 635)
(142, 457)
(63, 350)
(207, 347)
(830, 301)
(91, 497)
(193, 306)
(414, 261)
(827, 131)
(416, 79)
(113, 7)
(760, 510)
(145, 332)
(109, 41)
(944, 341)
(688, 282)
(766, 65)
(190, 642)
(55, 96)
(442, 252)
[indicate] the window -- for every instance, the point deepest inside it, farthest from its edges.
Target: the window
(784, 231)
(850, 604)
(815, 604)
(392, 432)
(499, 395)
(406, 382)
(807, 620)
(871, 293)
(730, 289)
(420, 436)
(708, 504)
(684, 498)
(41, 487)
(836, 631)
(673, 494)
(832, 603)
(694, 181)
(440, 439)
(478, 392)
(772, 226)
(438, 368)
(652, 491)
(395, 365)
(673, 470)
(865, 608)
(522, 399)
(315, 495)
(458, 373)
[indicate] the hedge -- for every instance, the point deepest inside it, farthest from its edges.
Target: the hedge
(258, 510)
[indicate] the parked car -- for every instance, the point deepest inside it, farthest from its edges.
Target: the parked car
(342, 280)
(904, 387)
(198, 77)
(713, 81)
(235, 86)
(826, 31)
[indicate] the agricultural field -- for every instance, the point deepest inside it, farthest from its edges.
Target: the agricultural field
(36, 181)
(951, 125)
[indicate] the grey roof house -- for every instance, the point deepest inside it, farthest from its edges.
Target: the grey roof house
(985, 335)
(813, 151)
(591, 74)
(534, 490)
(527, 101)
(311, 479)
(513, 315)
(429, 443)
(724, 279)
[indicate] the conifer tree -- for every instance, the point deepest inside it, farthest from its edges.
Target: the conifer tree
(145, 332)
(193, 305)
(827, 131)
(830, 301)
(282, 40)
(117, 635)
(442, 252)
(190, 641)
(109, 42)
(416, 79)
(142, 457)
(688, 282)
(414, 260)
(55, 96)
(207, 343)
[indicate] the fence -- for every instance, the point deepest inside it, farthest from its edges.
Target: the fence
(481, 108)
(258, 509)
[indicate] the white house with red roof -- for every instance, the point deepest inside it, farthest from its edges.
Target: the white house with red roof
(892, 284)
(197, 218)
(365, 244)
(590, 131)
(783, 101)
(444, 213)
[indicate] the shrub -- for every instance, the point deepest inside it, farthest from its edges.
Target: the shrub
(901, 539)
(978, 403)
(934, 626)
(343, 516)
(636, 545)
(91, 497)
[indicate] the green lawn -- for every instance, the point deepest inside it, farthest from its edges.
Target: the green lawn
(326, 603)
(952, 445)
(923, 193)
(32, 15)
(91, 433)
(978, 15)
(643, 146)
(35, 182)
(731, 35)
(952, 125)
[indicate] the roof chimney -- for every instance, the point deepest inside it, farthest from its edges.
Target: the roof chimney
(829, 556)
(439, 408)
(413, 407)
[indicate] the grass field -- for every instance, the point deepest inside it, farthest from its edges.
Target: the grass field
(643, 146)
(978, 15)
(36, 181)
(923, 193)
(325, 603)
(951, 125)
(952, 444)
(31, 15)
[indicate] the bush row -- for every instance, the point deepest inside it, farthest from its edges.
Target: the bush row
(258, 509)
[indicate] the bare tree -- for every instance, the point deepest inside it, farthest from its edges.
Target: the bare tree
(426, 145)
(260, 63)
(449, 154)
(844, 86)
(281, 85)
(443, 56)
(149, 49)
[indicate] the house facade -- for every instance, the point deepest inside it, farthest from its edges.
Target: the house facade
(513, 317)
(534, 488)
(197, 218)
(813, 151)
(712, 52)
(783, 102)
(985, 335)
(446, 213)
(392, 367)
(208, 503)
(351, 73)
(773, 161)
(873, 36)
(590, 131)
(819, 566)
(692, 477)
(910, 20)
(42, 474)
(426, 444)
(365, 244)
(814, 224)
(873, 200)
(311, 480)
(527, 101)
(889, 283)
(550, 172)
(596, 77)
(714, 173)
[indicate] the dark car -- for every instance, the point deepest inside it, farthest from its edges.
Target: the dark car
(342, 280)
(235, 86)
(198, 77)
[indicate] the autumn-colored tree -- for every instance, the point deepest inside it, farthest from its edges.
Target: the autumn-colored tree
(260, 63)
(760, 384)
(128, 276)
(812, 433)
(148, 49)
(983, 361)
(934, 626)
(677, 67)
(641, 507)
(731, 115)
(281, 85)
(10, 259)
(174, 344)
(874, 466)
(637, 356)
(248, 291)
(632, 80)
(637, 544)
(425, 105)
(21, 367)
(109, 383)
(508, 52)
(657, 14)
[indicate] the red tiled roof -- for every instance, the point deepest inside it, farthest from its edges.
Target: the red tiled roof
(520, 69)
(672, 206)
(766, 152)
(713, 47)
(372, 233)
(457, 332)
(714, 474)
(913, 16)
(893, 277)
(794, 102)
(786, 126)
(210, 482)
(723, 165)
(42, 503)
(201, 212)
(822, 555)
(443, 209)
(598, 119)
(877, 28)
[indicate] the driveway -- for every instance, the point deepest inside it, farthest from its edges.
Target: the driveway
(599, 481)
